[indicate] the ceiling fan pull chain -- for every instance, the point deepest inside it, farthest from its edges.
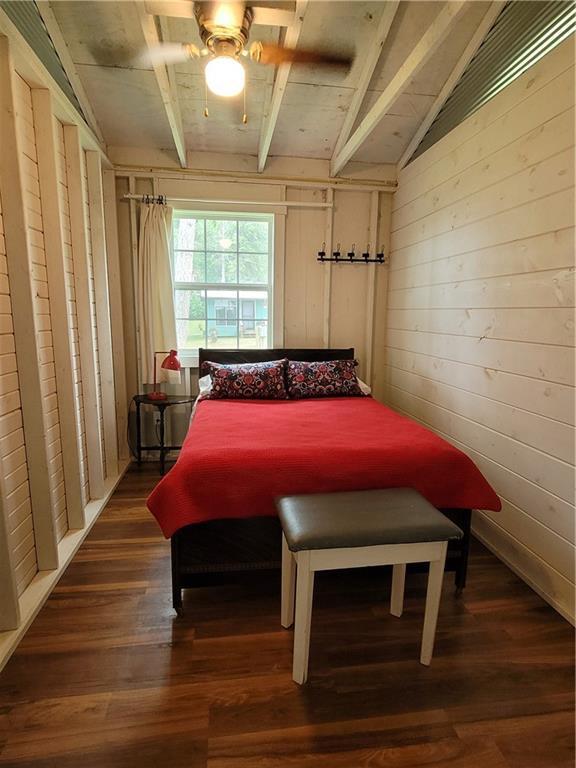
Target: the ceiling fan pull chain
(206, 113)
(245, 116)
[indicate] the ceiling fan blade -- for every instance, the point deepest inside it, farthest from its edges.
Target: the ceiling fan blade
(267, 53)
(167, 53)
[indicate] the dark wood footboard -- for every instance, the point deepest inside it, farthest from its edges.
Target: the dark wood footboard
(209, 553)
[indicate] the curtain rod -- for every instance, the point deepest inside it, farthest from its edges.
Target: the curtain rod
(204, 201)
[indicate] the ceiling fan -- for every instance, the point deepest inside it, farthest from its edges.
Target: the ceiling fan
(225, 30)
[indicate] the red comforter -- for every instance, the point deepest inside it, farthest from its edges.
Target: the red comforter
(239, 455)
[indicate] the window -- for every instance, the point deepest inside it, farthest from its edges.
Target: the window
(222, 280)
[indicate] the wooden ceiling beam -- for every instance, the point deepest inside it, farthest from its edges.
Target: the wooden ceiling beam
(370, 62)
(166, 80)
(478, 38)
(272, 108)
(53, 28)
(269, 16)
(421, 53)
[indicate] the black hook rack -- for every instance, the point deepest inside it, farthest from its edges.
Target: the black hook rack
(350, 257)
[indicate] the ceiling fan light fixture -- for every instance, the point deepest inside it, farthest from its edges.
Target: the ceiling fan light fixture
(225, 76)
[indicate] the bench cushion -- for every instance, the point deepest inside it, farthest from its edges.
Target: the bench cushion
(362, 519)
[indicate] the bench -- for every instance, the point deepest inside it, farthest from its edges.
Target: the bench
(355, 529)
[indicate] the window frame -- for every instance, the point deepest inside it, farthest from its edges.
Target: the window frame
(189, 357)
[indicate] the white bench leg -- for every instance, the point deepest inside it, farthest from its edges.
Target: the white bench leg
(304, 596)
(433, 594)
(397, 596)
(288, 585)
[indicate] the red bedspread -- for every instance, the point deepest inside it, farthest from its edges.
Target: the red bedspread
(239, 455)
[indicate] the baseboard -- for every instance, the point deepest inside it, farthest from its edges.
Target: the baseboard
(550, 585)
(37, 592)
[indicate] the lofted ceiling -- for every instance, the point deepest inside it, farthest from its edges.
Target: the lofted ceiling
(104, 39)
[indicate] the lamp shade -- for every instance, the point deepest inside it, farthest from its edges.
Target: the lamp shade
(171, 362)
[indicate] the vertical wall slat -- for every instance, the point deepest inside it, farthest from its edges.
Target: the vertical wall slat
(63, 350)
(134, 244)
(72, 313)
(91, 284)
(116, 317)
(74, 168)
(328, 268)
(371, 286)
(18, 248)
(101, 291)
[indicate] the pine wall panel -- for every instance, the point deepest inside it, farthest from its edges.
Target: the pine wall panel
(46, 340)
(12, 448)
(25, 119)
(480, 318)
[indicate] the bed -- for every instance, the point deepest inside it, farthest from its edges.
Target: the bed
(217, 503)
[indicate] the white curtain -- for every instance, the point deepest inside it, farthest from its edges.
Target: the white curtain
(155, 290)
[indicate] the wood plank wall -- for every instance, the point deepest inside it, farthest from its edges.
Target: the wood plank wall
(44, 510)
(18, 508)
(315, 311)
(43, 321)
(480, 321)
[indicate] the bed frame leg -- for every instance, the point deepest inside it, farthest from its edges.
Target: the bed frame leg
(462, 569)
(176, 585)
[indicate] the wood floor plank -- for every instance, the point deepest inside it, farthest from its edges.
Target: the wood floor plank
(108, 677)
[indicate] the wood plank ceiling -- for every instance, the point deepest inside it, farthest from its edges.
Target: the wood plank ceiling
(103, 40)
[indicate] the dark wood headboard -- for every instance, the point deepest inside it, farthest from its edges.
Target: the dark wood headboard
(228, 356)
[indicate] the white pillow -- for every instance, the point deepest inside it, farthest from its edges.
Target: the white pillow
(366, 390)
(205, 384)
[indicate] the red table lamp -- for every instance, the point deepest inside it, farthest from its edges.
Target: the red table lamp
(170, 363)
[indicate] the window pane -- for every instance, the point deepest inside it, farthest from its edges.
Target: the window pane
(253, 319)
(253, 303)
(222, 302)
(222, 311)
(189, 267)
(220, 235)
(191, 334)
(221, 268)
(253, 267)
(255, 339)
(188, 234)
(253, 236)
(190, 305)
(223, 335)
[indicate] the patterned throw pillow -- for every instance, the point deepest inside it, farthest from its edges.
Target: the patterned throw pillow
(335, 378)
(247, 381)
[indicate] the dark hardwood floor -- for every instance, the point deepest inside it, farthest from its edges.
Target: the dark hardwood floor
(107, 676)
